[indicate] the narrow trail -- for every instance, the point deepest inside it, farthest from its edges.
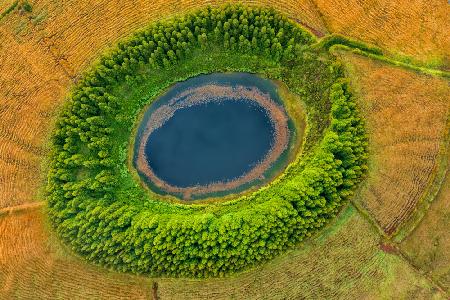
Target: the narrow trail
(19, 208)
(313, 30)
(391, 61)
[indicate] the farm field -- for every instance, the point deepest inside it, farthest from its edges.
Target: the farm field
(46, 270)
(349, 256)
(427, 246)
(390, 242)
(407, 120)
(399, 27)
(65, 47)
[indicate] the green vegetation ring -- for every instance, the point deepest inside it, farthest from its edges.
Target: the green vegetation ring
(104, 214)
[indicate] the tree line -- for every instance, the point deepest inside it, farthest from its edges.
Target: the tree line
(99, 210)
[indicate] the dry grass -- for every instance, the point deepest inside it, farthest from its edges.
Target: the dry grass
(406, 116)
(5, 4)
(75, 33)
(31, 85)
(34, 266)
(428, 245)
(39, 61)
(410, 27)
(43, 52)
(344, 262)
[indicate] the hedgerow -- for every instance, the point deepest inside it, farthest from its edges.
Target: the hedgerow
(100, 209)
(337, 39)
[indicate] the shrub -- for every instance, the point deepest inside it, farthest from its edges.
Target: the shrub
(101, 211)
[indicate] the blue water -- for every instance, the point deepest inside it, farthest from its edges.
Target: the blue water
(209, 143)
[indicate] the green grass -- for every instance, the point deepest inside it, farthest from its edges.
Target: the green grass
(344, 261)
(105, 214)
(336, 39)
(398, 63)
(9, 9)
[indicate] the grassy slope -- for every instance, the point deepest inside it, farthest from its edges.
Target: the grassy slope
(406, 115)
(428, 245)
(344, 262)
(347, 262)
(39, 60)
(393, 98)
(414, 28)
(41, 55)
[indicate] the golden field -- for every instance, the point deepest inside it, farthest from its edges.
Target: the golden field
(427, 246)
(348, 261)
(44, 51)
(390, 242)
(407, 119)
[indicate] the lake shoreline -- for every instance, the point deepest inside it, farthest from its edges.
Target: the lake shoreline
(287, 141)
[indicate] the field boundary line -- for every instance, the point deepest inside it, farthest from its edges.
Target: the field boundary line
(321, 15)
(434, 184)
(422, 273)
(54, 57)
(397, 63)
(429, 195)
(385, 239)
(366, 215)
(364, 212)
(20, 208)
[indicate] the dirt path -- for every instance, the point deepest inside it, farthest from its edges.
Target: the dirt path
(18, 208)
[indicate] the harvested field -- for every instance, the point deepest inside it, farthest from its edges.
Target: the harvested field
(33, 85)
(345, 262)
(43, 52)
(406, 116)
(73, 35)
(40, 60)
(47, 272)
(413, 28)
(427, 246)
